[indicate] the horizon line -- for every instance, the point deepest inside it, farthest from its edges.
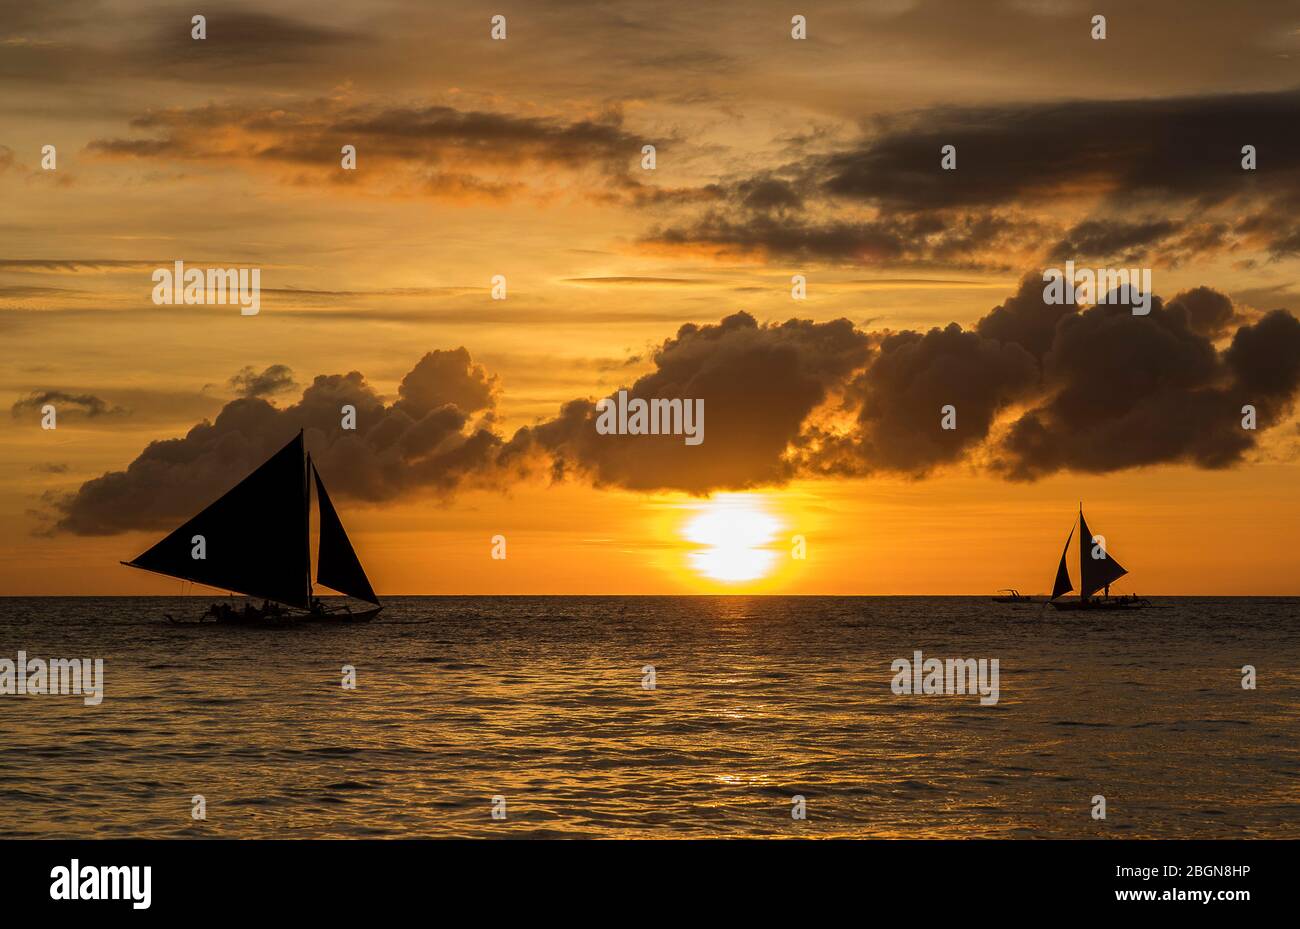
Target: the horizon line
(1259, 596)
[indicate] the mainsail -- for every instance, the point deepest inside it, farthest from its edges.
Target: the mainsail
(1095, 573)
(337, 565)
(254, 537)
(1063, 583)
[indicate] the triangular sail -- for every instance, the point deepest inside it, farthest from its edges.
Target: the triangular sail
(1095, 573)
(1063, 583)
(255, 536)
(337, 565)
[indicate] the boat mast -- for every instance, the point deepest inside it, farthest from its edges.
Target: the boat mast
(306, 516)
(1082, 549)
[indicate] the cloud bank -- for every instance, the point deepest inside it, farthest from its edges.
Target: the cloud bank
(1106, 180)
(1037, 389)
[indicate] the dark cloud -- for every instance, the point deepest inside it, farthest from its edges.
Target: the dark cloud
(66, 404)
(903, 395)
(724, 234)
(86, 42)
(1118, 239)
(921, 240)
(1158, 180)
(1025, 319)
(1094, 391)
(1207, 312)
(769, 193)
(493, 136)
(431, 150)
(1036, 388)
(446, 378)
(1123, 391)
(241, 39)
(273, 379)
(759, 384)
(1264, 359)
(1186, 148)
(424, 442)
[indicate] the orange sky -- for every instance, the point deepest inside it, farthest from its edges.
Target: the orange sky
(522, 158)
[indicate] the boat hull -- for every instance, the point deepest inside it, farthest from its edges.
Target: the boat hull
(280, 620)
(360, 616)
(1074, 605)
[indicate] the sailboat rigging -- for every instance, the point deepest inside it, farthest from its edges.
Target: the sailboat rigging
(255, 540)
(1097, 571)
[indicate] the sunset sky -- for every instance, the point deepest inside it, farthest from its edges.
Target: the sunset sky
(774, 157)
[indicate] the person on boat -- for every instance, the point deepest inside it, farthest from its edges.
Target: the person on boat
(1107, 592)
(317, 608)
(220, 612)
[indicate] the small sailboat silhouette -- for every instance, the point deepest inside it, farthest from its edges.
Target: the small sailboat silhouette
(255, 540)
(1095, 573)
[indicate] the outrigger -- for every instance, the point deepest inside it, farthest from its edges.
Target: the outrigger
(1011, 595)
(255, 540)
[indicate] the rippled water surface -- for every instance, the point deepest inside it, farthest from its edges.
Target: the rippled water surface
(540, 700)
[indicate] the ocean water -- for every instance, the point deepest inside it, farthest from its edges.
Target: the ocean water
(540, 700)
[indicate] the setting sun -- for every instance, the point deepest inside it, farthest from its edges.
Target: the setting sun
(736, 532)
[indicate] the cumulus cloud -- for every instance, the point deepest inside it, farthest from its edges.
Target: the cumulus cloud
(1206, 311)
(1025, 319)
(759, 383)
(425, 441)
(1037, 388)
(273, 379)
(913, 379)
(1040, 388)
(1123, 391)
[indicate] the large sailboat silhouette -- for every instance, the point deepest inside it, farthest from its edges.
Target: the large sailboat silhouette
(255, 540)
(1095, 573)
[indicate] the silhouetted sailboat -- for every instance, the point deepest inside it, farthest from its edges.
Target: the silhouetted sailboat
(255, 540)
(1095, 573)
